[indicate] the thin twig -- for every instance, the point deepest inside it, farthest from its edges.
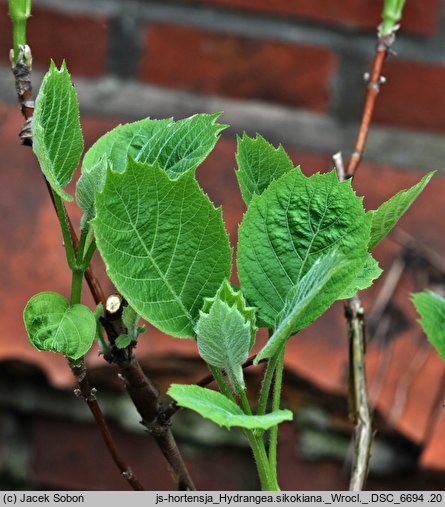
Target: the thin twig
(139, 387)
(89, 395)
(359, 410)
(358, 394)
(375, 81)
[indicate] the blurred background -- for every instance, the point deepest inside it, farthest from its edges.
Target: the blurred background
(291, 70)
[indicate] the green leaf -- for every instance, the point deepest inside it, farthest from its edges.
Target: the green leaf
(233, 297)
(53, 325)
(432, 310)
(303, 303)
(164, 244)
(259, 163)
(365, 278)
(130, 319)
(390, 212)
(286, 229)
(57, 137)
(178, 147)
(123, 341)
(223, 336)
(219, 409)
(91, 181)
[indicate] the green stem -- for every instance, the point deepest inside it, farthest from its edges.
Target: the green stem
(63, 220)
(265, 388)
(19, 11)
(221, 382)
(273, 443)
(89, 254)
(76, 286)
(267, 480)
(81, 246)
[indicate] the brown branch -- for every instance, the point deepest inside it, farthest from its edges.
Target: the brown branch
(375, 81)
(354, 312)
(144, 393)
(139, 387)
(89, 395)
(359, 410)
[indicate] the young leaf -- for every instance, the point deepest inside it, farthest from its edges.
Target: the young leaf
(91, 181)
(123, 341)
(178, 147)
(53, 325)
(390, 212)
(365, 278)
(130, 319)
(235, 298)
(432, 310)
(223, 336)
(304, 303)
(219, 409)
(164, 244)
(259, 163)
(286, 229)
(57, 137)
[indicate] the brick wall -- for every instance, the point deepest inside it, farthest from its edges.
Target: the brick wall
(291, 70)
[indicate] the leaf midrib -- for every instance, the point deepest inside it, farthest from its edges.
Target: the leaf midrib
(154, 263)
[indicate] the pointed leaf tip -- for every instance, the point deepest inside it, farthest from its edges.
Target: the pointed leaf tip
(57, 138)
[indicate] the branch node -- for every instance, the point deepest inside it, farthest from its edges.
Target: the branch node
(127, 474)
(157, 427)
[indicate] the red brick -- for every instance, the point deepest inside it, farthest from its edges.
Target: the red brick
(81, 40)
(413, 96)
(240, 67)
(420, 16)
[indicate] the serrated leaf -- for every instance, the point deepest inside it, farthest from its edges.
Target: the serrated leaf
(178, 147)
(286, 229)
(390, 212)
(302, 303)
(164, 244)
(365, 278)
(431, 308)
(259, 163)
(57, 137)
(219, 409)
(223, 336)
(52, 324)
(233, 297)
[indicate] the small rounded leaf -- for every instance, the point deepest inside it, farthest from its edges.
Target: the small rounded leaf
(55, 326)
